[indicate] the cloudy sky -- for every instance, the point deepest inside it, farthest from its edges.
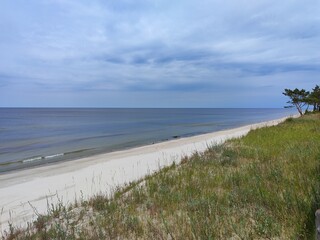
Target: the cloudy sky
(157, 53)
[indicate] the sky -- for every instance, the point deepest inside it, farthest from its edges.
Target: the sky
(152, 53)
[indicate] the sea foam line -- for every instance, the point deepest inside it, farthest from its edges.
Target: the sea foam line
(32, 159)
(41, 158)
(54, 155)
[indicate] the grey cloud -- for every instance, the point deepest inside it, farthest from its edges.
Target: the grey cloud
(179, 46)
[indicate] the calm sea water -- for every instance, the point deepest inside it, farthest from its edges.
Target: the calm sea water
(30, 137)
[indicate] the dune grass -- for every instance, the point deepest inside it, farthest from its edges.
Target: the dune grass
(265, 185)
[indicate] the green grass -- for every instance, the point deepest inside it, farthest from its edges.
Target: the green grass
(265, 185)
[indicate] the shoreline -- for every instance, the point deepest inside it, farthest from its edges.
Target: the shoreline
(101, 131)
(29, 189)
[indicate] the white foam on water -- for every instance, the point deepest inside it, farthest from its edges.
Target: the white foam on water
(54, 156)
(32, 159)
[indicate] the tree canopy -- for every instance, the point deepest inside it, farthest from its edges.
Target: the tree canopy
(300, 98)
(315, 98)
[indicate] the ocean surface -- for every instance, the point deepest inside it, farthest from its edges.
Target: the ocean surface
(35, 136)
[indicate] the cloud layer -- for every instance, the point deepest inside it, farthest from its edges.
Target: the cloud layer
(156, 53)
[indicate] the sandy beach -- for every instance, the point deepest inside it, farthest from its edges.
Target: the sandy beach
(26, 193)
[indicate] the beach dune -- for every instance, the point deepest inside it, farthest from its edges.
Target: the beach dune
(26, 193)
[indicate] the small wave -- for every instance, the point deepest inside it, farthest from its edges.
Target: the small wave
(54, 156)
(32, 159)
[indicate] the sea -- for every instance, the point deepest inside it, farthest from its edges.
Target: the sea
(30, 137)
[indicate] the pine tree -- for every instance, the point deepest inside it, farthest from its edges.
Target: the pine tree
(298, 98)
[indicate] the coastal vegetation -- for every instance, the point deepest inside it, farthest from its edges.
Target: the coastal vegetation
(300, 98)
(265, 185)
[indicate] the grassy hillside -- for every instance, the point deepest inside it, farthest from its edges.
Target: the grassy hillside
(263, 186)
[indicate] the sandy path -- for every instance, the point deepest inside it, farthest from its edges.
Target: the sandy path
(67, 181)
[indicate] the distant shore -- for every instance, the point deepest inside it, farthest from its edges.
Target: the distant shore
(26, 193)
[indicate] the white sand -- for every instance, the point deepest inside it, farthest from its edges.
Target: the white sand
(67, 181)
